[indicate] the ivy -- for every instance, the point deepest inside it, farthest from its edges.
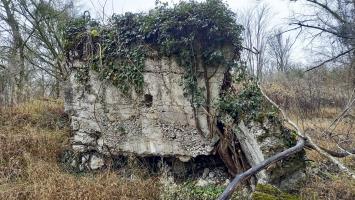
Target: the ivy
(193, 33)
(248, 102)
(120, 53)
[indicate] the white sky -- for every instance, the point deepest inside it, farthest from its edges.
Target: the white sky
(281, 9)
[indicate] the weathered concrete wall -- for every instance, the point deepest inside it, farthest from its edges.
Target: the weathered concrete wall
(161, 122)
(106, 121)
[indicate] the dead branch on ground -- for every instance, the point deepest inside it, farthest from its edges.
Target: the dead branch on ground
(252, 171)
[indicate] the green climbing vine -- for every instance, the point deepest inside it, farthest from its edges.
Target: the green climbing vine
(191, 32)
(194, 34)
(244, 100)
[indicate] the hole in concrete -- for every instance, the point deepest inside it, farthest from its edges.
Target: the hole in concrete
(181, 171)
(196, 167)
(148, 100)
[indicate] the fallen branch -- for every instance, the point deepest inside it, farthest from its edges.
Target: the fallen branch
(250, 172)
(298, 130)
(343, 154)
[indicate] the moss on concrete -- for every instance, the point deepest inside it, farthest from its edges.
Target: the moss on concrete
(269, 192)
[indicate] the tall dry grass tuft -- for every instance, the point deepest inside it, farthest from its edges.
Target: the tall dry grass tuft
(47, 114)
(48, 181)
(331, 188)
(32, 136)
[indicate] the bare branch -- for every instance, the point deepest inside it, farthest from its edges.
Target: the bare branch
(300, 24)
(335, 153)
(251, 50)
(331, 59)
(325, 7)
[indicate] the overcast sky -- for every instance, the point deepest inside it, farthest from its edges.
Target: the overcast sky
(281, 9)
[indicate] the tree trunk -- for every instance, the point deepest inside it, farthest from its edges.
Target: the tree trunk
(17, 52)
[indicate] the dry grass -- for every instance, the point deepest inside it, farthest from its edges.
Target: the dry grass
(333, 188)
(32, 136)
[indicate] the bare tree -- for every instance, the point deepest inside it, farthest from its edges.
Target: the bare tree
(46, 46)
(280, 50)
(256, 33)
(16, 54)
(32, 43)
